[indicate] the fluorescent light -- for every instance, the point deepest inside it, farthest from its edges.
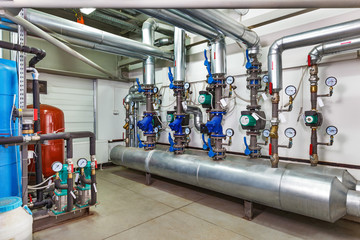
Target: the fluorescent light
(87, 11)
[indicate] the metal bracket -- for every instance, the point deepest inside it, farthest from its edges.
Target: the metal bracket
(249, 210)
(147, 179)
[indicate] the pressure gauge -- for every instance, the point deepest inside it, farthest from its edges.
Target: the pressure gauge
(331, 81)
(56, 166)
(155, 89)
(290, 90)
(187, 130)
(331, 130)
(265, 78)
(131, 126)
(229, 132)
(230, 80)
(266, 133)
(156, 129)
(132, 103)
(82, 162)
(186, 86)
(290, 132)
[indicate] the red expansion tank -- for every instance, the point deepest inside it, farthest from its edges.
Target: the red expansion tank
(51, 121)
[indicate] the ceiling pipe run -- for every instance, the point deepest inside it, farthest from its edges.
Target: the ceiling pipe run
(320, 196)
(316, 54)
(316, 36)
(77, 30)
(37, 31)
(182, 4)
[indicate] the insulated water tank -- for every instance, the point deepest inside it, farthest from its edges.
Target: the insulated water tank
(10, 162)
(51, 121)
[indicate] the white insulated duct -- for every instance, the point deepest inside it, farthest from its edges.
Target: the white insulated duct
(302, 191)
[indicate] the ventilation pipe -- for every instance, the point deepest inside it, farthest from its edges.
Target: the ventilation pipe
(76, 30)
(320, 196)
(334, 32)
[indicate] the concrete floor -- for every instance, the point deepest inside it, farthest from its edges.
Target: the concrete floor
(170, 210)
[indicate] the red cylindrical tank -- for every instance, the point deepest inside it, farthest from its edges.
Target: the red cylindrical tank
(51, 121)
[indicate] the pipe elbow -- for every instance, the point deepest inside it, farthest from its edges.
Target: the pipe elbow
(315, 55)
(198, 116)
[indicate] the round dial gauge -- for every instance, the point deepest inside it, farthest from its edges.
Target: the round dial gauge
(229, 132)
(290, 90)
(230, 80)
(82, 162)
(155, 90)
(187, 131)
(265, 78)
(132, 104)
(266, 133)
(156, 129)
(186, 86)
(331, 130)
(56, 166)
(131, 126)
(290, 132)
(331, 81)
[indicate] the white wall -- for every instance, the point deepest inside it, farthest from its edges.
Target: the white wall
(341, 110)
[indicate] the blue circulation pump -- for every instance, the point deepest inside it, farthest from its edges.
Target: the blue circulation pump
(10, 163)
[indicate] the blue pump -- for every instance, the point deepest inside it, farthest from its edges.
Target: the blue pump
(146, 124)
(214, 125)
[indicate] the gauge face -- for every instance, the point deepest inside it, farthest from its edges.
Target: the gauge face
(131, 126)
(186, 86)
(290, 132)
(156, 89)
(331, 81)
(230, 80)
(132, 104)
(265, 78)
(82, 162)
(56, 166)
(331, 130)
(266, 133)
(156, 129)
(290, 90)
(229, 132)
(187, 131)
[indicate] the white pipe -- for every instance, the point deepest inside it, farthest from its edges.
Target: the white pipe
(182, 4)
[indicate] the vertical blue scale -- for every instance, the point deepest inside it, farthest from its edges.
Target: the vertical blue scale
(10, 160)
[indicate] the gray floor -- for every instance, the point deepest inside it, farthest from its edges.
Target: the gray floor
(169, 210)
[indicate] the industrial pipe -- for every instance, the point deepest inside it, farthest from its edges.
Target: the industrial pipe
(316, 36)
(316, 54)
(198, 116)
(225, 25)
(77, 30)
(179, 55)
(182, 4)
(37, 31)
(313, 195)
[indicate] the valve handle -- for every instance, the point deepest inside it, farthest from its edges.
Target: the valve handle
(211, 153)
(248, 63)
(205, 146)
(141, 145)
(139, 86)
(247, 149)
(171, 78)
(208, 68)
(171, 149)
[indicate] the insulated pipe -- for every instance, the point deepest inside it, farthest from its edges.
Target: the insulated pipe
(328, 48)
(77, 30)
(174, 19)
(198, 116)
(179, 55)
(316, 36)
(37, 31)
(148, 32)
(218, 56)
(313, 195)
(225, 25)
(182, 4)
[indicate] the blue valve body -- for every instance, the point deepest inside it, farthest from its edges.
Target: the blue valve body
(248, 63)
(176, 125)
(146, 124)
(214, 125)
